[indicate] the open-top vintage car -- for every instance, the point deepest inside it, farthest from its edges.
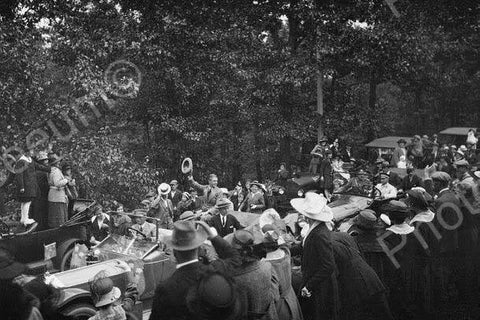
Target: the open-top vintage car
(49, 249)
(156, 264)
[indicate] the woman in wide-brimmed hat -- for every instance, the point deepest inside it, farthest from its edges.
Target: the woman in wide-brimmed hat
(256, 279)
(279, 256)
(255, 199)
(318, 263)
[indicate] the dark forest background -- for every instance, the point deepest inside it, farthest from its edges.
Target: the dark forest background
(231, 84)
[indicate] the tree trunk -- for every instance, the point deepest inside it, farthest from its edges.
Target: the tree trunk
(372, 134)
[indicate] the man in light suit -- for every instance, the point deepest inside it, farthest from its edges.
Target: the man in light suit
(141, 224)
(224, 222)
(210, 192)
(163, 207)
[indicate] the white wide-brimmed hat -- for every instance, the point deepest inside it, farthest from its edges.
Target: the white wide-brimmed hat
(164, 188)
(313, 206)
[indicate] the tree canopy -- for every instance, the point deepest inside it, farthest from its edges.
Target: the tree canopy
(231, 84)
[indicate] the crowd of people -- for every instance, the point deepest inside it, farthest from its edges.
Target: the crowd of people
(44, 187)
(413, 251)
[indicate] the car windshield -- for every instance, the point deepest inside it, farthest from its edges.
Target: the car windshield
(358, 184)
(115, 246)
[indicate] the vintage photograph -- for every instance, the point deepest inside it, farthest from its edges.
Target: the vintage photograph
(240, 160)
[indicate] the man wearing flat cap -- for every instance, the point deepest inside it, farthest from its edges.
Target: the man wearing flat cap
(175, 194)
(170, 299)
(387, 191)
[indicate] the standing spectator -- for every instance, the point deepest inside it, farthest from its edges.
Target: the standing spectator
(318, 262)
(210, 192)
(255, 200)
(326, 174)
(185, 204)
(411, 180)
(346, 154)
(170, 299)
(175, 194)
(57, 198)
(238, 195)
(282, 174)
(224, 222)
(70, 188)
(417, 151)
(256, 279)
(27, 187)
(196, 200)
(100, 226)
(317, 155)
(399, 153)
(279, 256)
(215, 297)
(362, 292)
(16, 303)
(39, 207)
(163, 207)
(433, 156)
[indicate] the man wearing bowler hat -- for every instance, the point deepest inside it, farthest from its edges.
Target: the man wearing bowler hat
(169, 301)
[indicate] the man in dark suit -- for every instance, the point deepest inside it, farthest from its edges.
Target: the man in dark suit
(411, 180)
(318, 263)
(169, 301)
(175, 194)
(224, 222)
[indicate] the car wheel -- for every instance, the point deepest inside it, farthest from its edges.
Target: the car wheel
(79, 311)
(66, 259)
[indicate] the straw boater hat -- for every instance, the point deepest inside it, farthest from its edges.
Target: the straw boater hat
(402, 141)
(164, 188)
(187, 165)
(185, 236)
(104, 290)
(258, 184)
(313, 206)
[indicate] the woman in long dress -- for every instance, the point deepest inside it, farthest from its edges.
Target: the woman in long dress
(57, 197)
